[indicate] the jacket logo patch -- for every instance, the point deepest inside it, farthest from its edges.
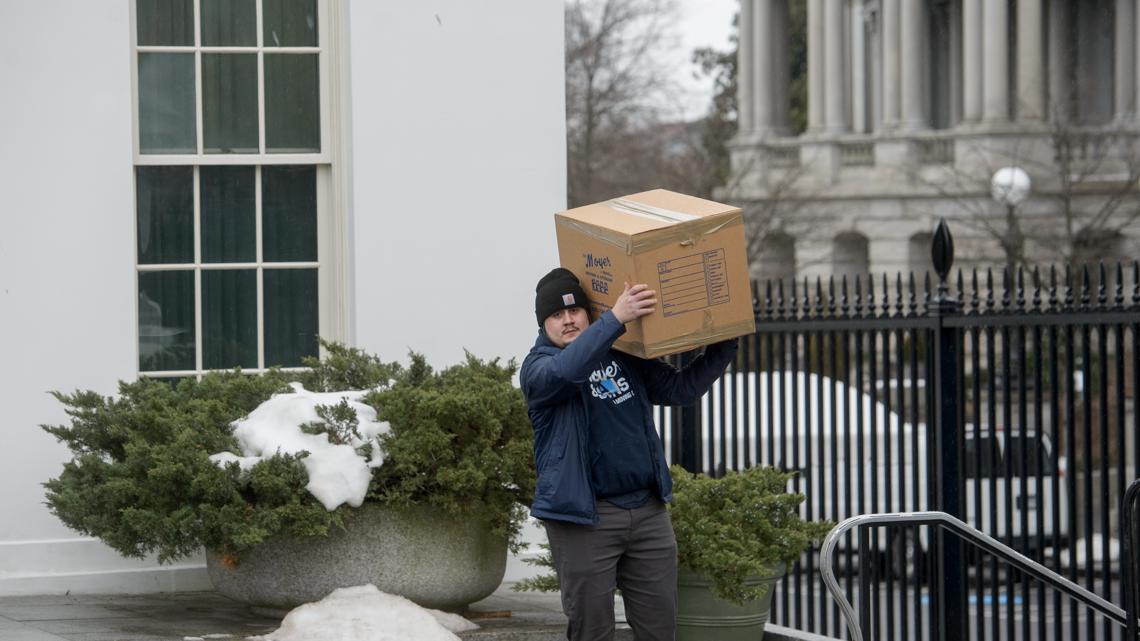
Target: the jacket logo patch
(607, 383)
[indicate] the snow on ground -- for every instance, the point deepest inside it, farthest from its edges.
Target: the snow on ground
(337, 474)
(364, 613)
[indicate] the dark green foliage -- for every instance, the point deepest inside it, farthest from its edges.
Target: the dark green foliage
(740, 525)
(543, 582)
(338, 421)
(141, 479)
(460, 440)
(345, 368)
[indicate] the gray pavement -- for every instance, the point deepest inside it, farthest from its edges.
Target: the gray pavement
(207, 616)
(503, 616)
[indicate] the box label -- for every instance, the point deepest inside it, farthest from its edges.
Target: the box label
(693, 282)
(597, 269)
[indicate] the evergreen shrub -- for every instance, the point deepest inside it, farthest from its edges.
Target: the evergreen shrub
(140, 477)
(741, 525)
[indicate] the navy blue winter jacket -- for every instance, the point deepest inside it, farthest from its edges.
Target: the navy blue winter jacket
(554, 382)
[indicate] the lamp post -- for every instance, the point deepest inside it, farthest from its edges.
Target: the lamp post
(1010, 187)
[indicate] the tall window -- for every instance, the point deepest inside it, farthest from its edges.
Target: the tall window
(232, 183)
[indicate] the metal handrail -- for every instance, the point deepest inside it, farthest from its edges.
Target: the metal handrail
(955, 526)
(1128, 569)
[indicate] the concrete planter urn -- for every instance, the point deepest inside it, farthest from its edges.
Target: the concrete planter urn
(703, 616)
(435, 560)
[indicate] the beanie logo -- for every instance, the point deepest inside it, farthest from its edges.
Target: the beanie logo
(568, 299)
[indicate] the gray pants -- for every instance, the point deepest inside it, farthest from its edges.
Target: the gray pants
(633, 550)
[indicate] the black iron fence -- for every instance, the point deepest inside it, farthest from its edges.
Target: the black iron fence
(1005, 399)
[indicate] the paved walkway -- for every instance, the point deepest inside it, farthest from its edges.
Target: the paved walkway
(188, 616)
(207, 616)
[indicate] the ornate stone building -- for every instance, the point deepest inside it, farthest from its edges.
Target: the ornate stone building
(912, 105)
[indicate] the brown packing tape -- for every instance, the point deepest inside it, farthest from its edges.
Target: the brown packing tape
(688, 234)
(616, 239)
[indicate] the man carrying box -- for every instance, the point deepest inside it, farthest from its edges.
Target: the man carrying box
(602, 477)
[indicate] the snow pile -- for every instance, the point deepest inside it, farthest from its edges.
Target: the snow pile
(337, 473)
(364, 613)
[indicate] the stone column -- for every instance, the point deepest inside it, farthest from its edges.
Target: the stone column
(815, 53)
(972, 61)
(781, 74)
(833, 49)
(1030, 67)
(890, 43)
(1125, 87)
(1136, 67)
(746, 40)
(1060, 61)
(995, 70)
(913, 34)
(858, 68)
(762, 66)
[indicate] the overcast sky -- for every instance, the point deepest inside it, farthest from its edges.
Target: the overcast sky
(703, 23)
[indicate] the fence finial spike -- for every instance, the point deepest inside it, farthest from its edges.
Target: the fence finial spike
(898, 293)
(1020, 291)
(912, 299)
(989, 288)
(1036, 288)
(858, 296)
(1086, 285)
(1068, 279)
(1135, 282)
(1119, 293)
(975, 302)
(831, 294)
(1101, 285)
(942, 251)
(1007, 286)
(886, 296)
(818, 295)
(780, 298)
(870, 295)
(843, 308)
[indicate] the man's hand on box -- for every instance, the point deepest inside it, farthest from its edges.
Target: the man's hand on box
(634, 302)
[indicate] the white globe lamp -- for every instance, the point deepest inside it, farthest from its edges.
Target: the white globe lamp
(1010, 186)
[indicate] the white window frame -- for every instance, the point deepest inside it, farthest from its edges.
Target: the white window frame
(332, 240)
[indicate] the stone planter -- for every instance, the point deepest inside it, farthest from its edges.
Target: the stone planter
(703, 616)
(435, 561)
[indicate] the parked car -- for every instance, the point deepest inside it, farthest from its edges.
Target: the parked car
(863, 458)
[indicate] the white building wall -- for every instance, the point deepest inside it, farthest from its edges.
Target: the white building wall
(457, 162)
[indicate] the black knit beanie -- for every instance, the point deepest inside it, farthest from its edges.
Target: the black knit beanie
(557, 290)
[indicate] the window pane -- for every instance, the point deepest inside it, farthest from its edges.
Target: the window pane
(164, 200)
(289, 23)
(229, 23)
(291, 321)
(165, 22)
(229, 103)
(166, 103)
(229, 318)
(166, 320)
(292, 103)
(289, 213)
(228, 233)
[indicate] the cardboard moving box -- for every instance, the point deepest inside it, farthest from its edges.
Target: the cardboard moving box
(690, 250)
